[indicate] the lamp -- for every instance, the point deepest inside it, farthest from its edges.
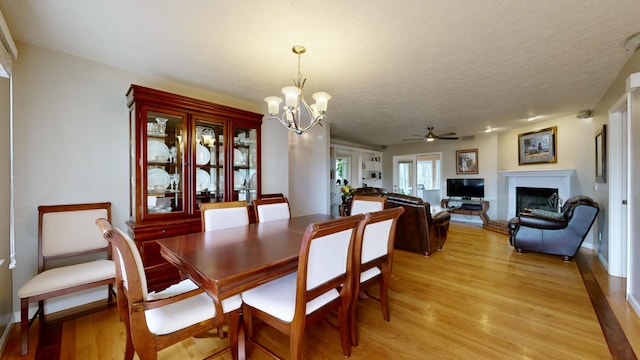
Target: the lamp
(297, 115)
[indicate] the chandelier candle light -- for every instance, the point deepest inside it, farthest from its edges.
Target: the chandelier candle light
(292, 112)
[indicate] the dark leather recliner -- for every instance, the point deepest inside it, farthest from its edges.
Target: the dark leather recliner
(554, 233)
(417, 230)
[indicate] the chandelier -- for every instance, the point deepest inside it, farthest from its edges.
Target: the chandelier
(297, 115)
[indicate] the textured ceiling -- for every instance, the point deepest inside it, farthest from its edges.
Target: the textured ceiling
(392, 67)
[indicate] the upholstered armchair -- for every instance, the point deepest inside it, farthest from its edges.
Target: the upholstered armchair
(554, 233)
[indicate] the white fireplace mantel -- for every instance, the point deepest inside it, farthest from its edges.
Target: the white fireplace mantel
(554, 179)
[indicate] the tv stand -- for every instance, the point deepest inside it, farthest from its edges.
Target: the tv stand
(468, 207)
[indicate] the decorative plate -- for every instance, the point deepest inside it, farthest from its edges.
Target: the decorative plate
(238, 179)
(157, 180)
(203, 155)
(203, 179)
(157, 151)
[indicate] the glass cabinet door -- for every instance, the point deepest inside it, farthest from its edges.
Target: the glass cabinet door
(164, 169)
(209, 162)
(245, 164)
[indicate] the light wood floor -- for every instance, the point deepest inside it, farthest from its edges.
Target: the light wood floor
(475, 299)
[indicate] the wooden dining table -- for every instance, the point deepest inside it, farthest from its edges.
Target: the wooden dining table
(229, 261)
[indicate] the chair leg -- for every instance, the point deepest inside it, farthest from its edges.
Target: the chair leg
(234, 328)
(24, 326)
(343, 323)
(353, 331)
(384, 299)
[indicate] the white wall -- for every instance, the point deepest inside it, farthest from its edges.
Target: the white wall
(6, 312)
(72, 140)
(309, 171)
(575, 150)
(487, 145)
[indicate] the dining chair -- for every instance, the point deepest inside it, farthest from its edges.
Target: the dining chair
(66, 233)
(156, 320)
(292, 302)
(220, 215)
(270, 209)
(373, 259)
(361, 204)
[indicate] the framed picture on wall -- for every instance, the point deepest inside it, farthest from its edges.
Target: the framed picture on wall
(467, 161)
(537, 147)
(601, 155)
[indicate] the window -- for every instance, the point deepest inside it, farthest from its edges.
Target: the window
(405, 177)
(428, 172)
(343, 169)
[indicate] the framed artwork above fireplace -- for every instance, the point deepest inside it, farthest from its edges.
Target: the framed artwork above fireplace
(537, 147)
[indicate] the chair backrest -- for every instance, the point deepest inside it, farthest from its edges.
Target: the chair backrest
(271, 209)
(221, 215)
(363, 204)
(325, 261)
(375, 245)
(129, 267)
(68, 230)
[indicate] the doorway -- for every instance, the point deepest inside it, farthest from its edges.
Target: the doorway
(418, 175)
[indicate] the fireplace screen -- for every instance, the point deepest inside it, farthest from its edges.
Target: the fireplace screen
(537, 198)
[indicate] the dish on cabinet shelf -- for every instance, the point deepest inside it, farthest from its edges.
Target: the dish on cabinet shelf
(238, 180)
(203, 155)
(157, 151)
(158, 180)
(203, 180)
(239, 158)
(253, 181)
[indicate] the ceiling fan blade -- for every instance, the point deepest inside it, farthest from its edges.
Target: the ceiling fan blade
(446, 135)
(420, 139)
(447, 138)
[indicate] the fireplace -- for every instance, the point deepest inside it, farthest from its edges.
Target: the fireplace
(536, 198)
(565, 181)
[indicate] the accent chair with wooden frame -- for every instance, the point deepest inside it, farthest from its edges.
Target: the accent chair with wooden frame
(271, 209)
(66, 233)
(290, 302)
(154, 321)
(220, 215)
(373, 259)
(363, 204)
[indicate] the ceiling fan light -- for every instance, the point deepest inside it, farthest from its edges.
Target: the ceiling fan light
(430, 138)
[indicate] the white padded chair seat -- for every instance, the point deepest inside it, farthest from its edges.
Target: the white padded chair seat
(369, 274)
(278, 298)
(68, 276)
(193, 310)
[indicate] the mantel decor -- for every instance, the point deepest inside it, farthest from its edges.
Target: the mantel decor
(537, 147)
(601, 155)
(467, 161)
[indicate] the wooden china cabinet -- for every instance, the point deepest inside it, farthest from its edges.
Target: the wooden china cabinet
(184, 152)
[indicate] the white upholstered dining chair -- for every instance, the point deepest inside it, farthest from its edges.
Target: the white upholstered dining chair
(373, 259)
(68, 233)
(271, 209)
(221, 215)
(361, 204)
(154, 321)
(291, 302)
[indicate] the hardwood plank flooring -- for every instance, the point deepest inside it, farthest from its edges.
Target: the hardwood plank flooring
(475, 299)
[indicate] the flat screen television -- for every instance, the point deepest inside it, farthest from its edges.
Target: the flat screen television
(465, 188)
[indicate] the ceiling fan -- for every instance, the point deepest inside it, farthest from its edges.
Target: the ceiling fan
(431, 136)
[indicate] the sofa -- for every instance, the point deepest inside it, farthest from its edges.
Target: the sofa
(418, 230)
(556, 233)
